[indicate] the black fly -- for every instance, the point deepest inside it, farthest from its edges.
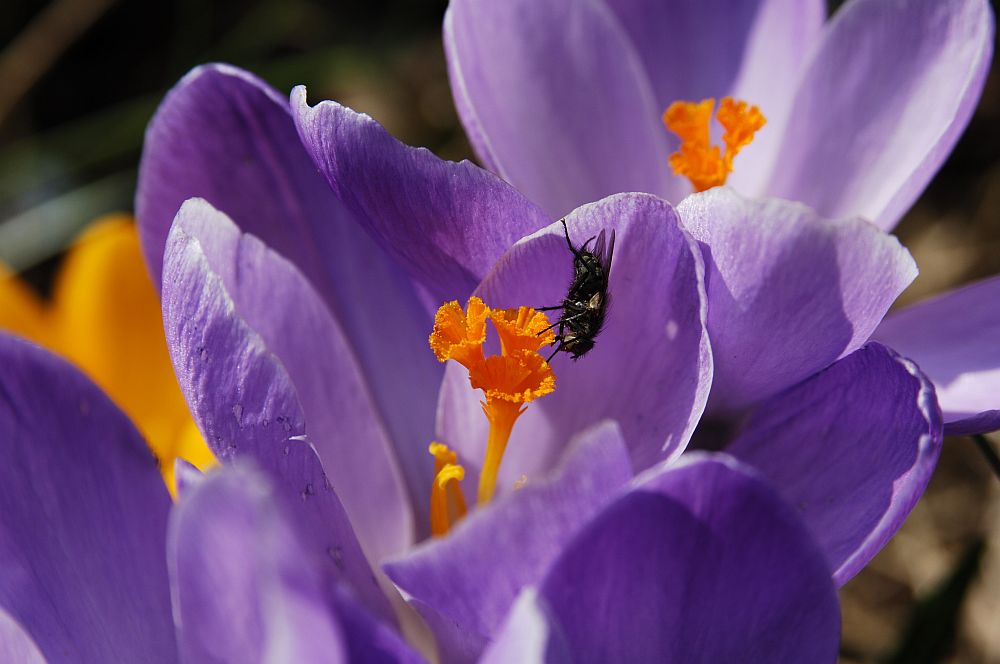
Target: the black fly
(586, 303)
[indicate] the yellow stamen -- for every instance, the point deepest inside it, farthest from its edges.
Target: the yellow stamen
(509, 381)
(447, 501)
(704, 164)
(459, 335)
(522, 329)
(443, 455)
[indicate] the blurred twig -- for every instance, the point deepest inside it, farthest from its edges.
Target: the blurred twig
(36, 234)
(73, 149)
(42, 175)
(930, 635)
(46, 180)
(115, 133)
(40, 44)
(984, 445)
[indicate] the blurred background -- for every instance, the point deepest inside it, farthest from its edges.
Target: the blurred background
(79, 80)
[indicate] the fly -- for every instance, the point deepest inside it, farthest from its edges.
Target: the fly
(586, 304)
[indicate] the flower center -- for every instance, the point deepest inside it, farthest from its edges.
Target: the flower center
(704, 164)
(509, 382)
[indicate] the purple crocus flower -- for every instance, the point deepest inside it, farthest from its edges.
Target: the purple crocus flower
(563, 99)
(300, 253)
(99, 567)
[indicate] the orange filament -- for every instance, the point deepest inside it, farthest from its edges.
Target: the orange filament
(704, 164)
(501, 415)
(447, 501)
(509, 381)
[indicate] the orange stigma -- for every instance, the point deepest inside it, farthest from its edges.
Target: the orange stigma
(522, 329)
(704, 164)
(509, 381)
(459, 335)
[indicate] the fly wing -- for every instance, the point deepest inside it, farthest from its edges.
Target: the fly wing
(600, 245)
(605, 253)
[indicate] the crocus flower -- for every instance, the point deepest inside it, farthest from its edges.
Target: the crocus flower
(99, 565)
(104, 316)
(564, 99)
(568, 100)
(303, 253)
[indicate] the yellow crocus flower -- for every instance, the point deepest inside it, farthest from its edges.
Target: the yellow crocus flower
(105, 317)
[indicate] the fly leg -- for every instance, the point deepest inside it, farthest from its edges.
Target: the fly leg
(576, 252)
(562, 322)
(558, 348)
(568, 241)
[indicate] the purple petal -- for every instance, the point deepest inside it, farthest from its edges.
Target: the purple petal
(694, 50)
(243, 585)
(266, 293)
(242, 395)
(470, 578)
(368, 639)
(651, 368)
(246, 587)
(984, 422)
(226, 136)
(703, 562)
(83, 517)
(784, 33)
(527, 636)
(446, 222)
(16, 645)
(557, 100)
(752, 50)
(954, 340)
(881, 105)
(852, 448)
(187, 475)
(788, 292)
